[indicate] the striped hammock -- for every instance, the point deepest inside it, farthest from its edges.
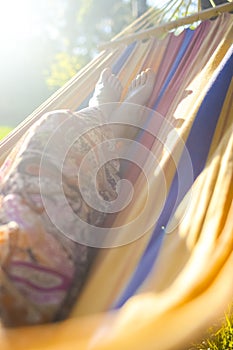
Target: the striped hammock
(162, 290)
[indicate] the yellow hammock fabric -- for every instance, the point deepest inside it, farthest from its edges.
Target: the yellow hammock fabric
(191, 282)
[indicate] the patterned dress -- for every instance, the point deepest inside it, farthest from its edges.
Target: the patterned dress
(43, 269)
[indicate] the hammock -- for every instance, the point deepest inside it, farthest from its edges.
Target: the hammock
(162, 290)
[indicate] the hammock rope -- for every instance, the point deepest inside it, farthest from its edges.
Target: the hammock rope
(155, 16)
(162, 29)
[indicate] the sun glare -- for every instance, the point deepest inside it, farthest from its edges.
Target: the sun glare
(18, 21)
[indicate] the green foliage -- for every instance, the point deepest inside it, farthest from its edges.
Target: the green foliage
(84, 25)
(107, 18)
(61, 36)
(45, 42)
(63, 68)
(4, 130)
(220, 339)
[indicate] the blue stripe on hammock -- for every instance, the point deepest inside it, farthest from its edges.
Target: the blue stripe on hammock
(125, 166)
(198, 144)
(119, 63)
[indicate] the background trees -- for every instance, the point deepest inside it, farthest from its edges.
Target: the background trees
(44, 43)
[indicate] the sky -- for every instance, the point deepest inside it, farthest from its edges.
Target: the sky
(23, 24)
(156, 3)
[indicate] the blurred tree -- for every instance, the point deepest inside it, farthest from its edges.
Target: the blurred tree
(139, 7)
(85, 24)
(107, 18)
(66, 37)
(43, 43)
(64, 67)
(205, 4)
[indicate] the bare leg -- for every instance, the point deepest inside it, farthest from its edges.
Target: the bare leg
(108, 92)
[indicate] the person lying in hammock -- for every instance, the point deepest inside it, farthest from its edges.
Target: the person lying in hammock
(43, 269)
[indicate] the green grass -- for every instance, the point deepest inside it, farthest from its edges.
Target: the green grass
(220, 338)
(4, 130)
